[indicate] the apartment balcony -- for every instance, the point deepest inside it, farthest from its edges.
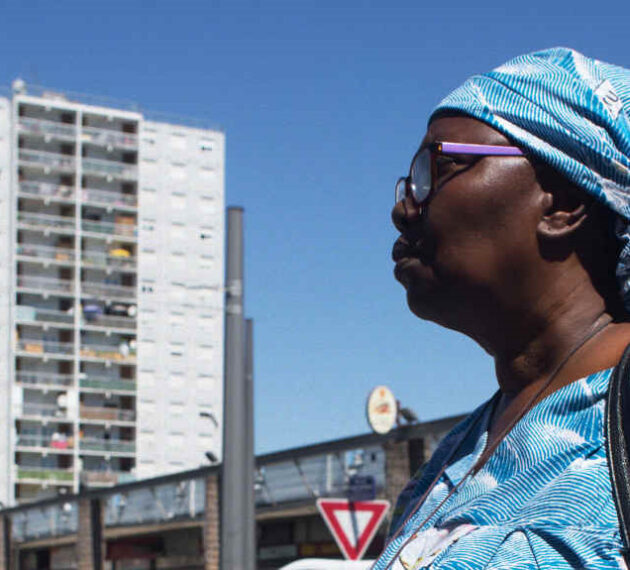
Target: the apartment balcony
(41, 475)
(106, 414)
(122, 353)
(43, 379)
(107, 446)
(45, 285)
(25, 314)
(47, 129)
(44, 411)
(47, 160)
(45, 348)
(104, 260)
(110, 199)
(107, 385)
(109, 138)
(110, 168)
(108, 291)
(110, 322)
(46, 190)
(105, 478)
(120, 230)
(46, 222)
(45, 254)
(45, 442)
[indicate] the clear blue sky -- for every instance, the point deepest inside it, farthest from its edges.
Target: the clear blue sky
(323, 104)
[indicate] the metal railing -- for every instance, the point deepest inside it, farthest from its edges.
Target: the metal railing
(44, 410)
(108, 290)
(107, 321)
(107, 352)
(45, 284)
(110, 168)
(44, 441)
(103, 259)
(109, 228)
(107, 414)
(103, 477)
(107, 384)
(44, 127)
(46, 221)
(26, 314)
(47, 159)
(109, 137)
(36, 346)
(107, 445)
(43, 378)
(40, 474)
(46, 189)
(110, 198)
(61, 254)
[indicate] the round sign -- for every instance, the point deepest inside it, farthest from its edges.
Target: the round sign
(382, 409)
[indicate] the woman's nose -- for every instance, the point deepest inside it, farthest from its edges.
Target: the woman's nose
(405, 213)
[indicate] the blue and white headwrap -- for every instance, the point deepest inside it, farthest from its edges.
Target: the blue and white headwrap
(569, 111)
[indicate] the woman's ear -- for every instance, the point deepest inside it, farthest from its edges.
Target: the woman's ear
(561, 220)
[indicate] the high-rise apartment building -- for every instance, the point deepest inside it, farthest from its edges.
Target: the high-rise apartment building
(111, 294)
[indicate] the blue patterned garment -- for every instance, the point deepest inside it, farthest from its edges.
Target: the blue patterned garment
(543, 500)
(571, 112)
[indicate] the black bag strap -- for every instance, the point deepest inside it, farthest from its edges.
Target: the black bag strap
(617, 432)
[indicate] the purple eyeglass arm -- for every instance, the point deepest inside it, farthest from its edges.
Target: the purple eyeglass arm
(486, 149)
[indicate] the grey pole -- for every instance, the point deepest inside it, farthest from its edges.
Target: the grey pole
(235, 464)
(250, 520)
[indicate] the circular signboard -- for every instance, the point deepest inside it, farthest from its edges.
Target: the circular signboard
(382, 409)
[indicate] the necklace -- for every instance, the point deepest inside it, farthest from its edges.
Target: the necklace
(593, 330)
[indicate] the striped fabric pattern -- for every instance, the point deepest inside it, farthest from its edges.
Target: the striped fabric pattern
(571, 112)
(543, 500)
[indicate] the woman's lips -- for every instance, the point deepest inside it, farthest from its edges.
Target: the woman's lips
(403, 250)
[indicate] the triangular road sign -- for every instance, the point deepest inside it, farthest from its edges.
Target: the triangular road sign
(352, 524)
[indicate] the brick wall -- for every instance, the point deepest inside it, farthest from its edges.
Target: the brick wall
(211, 525)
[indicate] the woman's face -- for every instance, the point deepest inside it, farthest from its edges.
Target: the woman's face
(465, 251)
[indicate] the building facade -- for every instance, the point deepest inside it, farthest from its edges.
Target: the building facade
(172, 522)
(111, 280)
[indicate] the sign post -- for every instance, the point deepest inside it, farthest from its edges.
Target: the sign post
(353, 524)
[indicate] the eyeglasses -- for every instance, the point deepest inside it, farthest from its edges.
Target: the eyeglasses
(420, 182)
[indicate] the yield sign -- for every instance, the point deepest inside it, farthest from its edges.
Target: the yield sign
(352, 524)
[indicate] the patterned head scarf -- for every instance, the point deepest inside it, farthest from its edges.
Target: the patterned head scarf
(569, 111)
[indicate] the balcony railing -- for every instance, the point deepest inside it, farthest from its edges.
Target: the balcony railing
(43, 378)
(105, 477)
(109, 198)
(107, 321)
(45, 284)
(60, 475)
(107, 445)
(103, 259)
(59, 254)
(108, 384)
(44, 347)
(109, 137)
(43, 127)
(44, 441)
(46, 221)
(106, 414)
(106, 352)
(109, 228)
(26, 314)
(110, 168)
(44, 410)
(107, 290)
(46, 190)
(61, 162)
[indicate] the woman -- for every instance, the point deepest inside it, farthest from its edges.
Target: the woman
(514, 230)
